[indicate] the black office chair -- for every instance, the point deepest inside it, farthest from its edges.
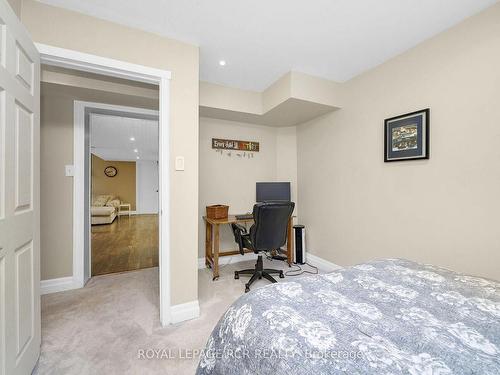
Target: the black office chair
(269, 232)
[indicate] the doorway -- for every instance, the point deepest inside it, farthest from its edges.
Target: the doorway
(69, 59)
(123, 188)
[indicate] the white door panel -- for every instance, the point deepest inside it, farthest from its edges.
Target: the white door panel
(23, 164)
(19, 197)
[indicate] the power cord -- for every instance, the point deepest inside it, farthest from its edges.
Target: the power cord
(301, 271)
(293, 272)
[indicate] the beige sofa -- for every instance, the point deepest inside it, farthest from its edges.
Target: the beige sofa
(104, 209)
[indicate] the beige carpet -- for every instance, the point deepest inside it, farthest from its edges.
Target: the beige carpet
(101, 328)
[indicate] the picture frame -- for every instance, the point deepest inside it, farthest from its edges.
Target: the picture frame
(406, 137)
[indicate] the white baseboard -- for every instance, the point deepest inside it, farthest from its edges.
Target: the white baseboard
(315, 260)
(229, 259)
(57, 285)
(184, 311)
(321, 263)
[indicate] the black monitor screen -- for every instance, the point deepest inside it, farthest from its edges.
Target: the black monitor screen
(273, 191)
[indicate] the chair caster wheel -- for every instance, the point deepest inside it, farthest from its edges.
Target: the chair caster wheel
(282, 275)
(236, 275)
(215, 278)
(247, 288)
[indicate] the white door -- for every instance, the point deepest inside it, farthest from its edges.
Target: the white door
(19, 197)
(147, 187)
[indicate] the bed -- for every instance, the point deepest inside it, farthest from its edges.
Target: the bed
(384, 317)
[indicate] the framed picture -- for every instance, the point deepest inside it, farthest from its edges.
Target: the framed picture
(407, 136)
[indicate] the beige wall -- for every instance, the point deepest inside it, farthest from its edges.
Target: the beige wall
(231, 99)
(66, 29)
(69, 77)
(122, 185)
(231, 179)
(277, 93)
(16, 6)
(444, 210)
(56, 151)
(317, 90)
(292, 85)
(286, 159)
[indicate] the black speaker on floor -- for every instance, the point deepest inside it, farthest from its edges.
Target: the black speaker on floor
(300, 244)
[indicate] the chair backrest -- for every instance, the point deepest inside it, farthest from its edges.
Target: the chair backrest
(271, 223)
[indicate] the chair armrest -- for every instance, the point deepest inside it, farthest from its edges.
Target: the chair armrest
(239, 231)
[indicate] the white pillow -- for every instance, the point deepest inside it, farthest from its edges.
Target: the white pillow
(113, 203)
(101, 200)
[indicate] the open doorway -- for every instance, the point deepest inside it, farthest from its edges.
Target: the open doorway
(76, 228)
(124, 205)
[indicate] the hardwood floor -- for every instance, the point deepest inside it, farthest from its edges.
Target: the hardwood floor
(129, 243)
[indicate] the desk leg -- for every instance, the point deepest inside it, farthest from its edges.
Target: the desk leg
(208, 243)
(216, 252)
(289, 242)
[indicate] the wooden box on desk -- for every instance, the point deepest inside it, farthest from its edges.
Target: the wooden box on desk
(217, 211)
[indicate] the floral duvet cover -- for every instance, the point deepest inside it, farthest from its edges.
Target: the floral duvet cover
(384, 317)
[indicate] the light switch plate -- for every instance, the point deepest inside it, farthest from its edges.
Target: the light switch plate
(179, 163)
(69, 170)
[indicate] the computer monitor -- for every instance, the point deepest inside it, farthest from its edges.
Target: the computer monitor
(273, 191)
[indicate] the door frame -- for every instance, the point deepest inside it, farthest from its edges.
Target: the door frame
(71, 59)
(82, 134)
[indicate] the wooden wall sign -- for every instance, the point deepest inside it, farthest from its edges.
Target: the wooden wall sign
(230, 144)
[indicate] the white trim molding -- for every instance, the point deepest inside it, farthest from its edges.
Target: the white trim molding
(65, 58)
(184, 311)
(229, 259)
(312, 259)
(57, 285)
(79, 154)
(321, 263)
(71, 59)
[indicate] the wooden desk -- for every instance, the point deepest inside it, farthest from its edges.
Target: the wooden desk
(212, 242)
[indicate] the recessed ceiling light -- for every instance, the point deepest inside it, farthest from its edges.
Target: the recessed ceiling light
(222, 62)
(138, 158)
(132, 138)
(136, 150)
